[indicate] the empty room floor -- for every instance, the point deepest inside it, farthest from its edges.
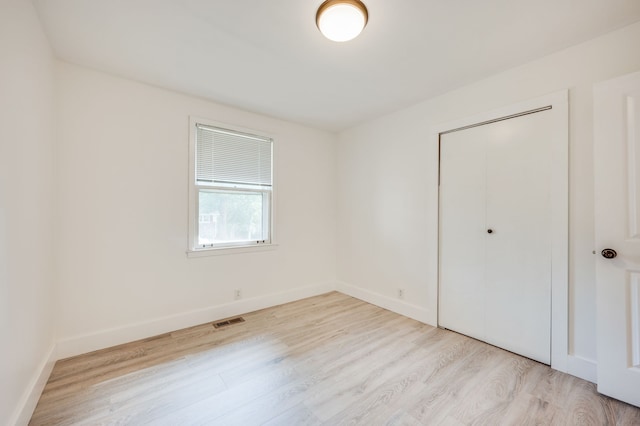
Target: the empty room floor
(329, 359)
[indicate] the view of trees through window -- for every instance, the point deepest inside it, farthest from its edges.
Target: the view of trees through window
(230, 216)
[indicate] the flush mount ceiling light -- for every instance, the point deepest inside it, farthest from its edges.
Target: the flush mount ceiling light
(341, 20)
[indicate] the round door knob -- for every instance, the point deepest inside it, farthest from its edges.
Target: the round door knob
(609, 253)
(489, 231)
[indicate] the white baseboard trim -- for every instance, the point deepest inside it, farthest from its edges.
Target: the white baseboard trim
(583, 368)
(115, 336)
(398, 306)
(31, 395)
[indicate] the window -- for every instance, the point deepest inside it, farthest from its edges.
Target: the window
(231, 187)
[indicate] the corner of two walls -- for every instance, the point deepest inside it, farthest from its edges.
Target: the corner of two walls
(26, 200)
(131, 278)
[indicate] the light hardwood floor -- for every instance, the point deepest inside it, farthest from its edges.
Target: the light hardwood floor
(330, 359)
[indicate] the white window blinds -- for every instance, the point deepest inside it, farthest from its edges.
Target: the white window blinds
(232, 158)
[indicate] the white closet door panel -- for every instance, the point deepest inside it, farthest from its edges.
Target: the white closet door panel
(518, 252)
(462, 231)
(496, 286)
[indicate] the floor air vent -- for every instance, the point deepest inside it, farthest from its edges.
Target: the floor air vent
(228, 322)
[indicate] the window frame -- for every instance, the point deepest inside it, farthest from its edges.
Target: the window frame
(193, 248)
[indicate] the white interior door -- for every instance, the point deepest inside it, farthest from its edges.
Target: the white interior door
(495, 233)
(617, 218)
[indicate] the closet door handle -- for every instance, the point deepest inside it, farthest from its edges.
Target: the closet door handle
(489, 231)
(609, 253)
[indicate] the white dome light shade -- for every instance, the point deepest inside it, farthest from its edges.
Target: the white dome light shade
(341, 20)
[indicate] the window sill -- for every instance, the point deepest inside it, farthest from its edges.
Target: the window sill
(230, 250)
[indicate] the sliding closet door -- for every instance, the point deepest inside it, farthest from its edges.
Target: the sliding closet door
(495, 234)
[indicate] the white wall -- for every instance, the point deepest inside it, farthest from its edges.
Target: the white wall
(121, 219)
(387, 171)
(26, 161)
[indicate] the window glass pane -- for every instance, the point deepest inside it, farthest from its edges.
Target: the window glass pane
(227, 216)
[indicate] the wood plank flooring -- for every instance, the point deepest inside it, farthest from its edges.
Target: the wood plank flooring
(326, 360)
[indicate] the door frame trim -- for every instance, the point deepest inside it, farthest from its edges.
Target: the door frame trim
(558, 102)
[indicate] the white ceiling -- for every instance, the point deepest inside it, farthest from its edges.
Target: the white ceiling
(267, 56)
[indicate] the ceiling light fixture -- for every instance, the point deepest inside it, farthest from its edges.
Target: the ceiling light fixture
(342, 20)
